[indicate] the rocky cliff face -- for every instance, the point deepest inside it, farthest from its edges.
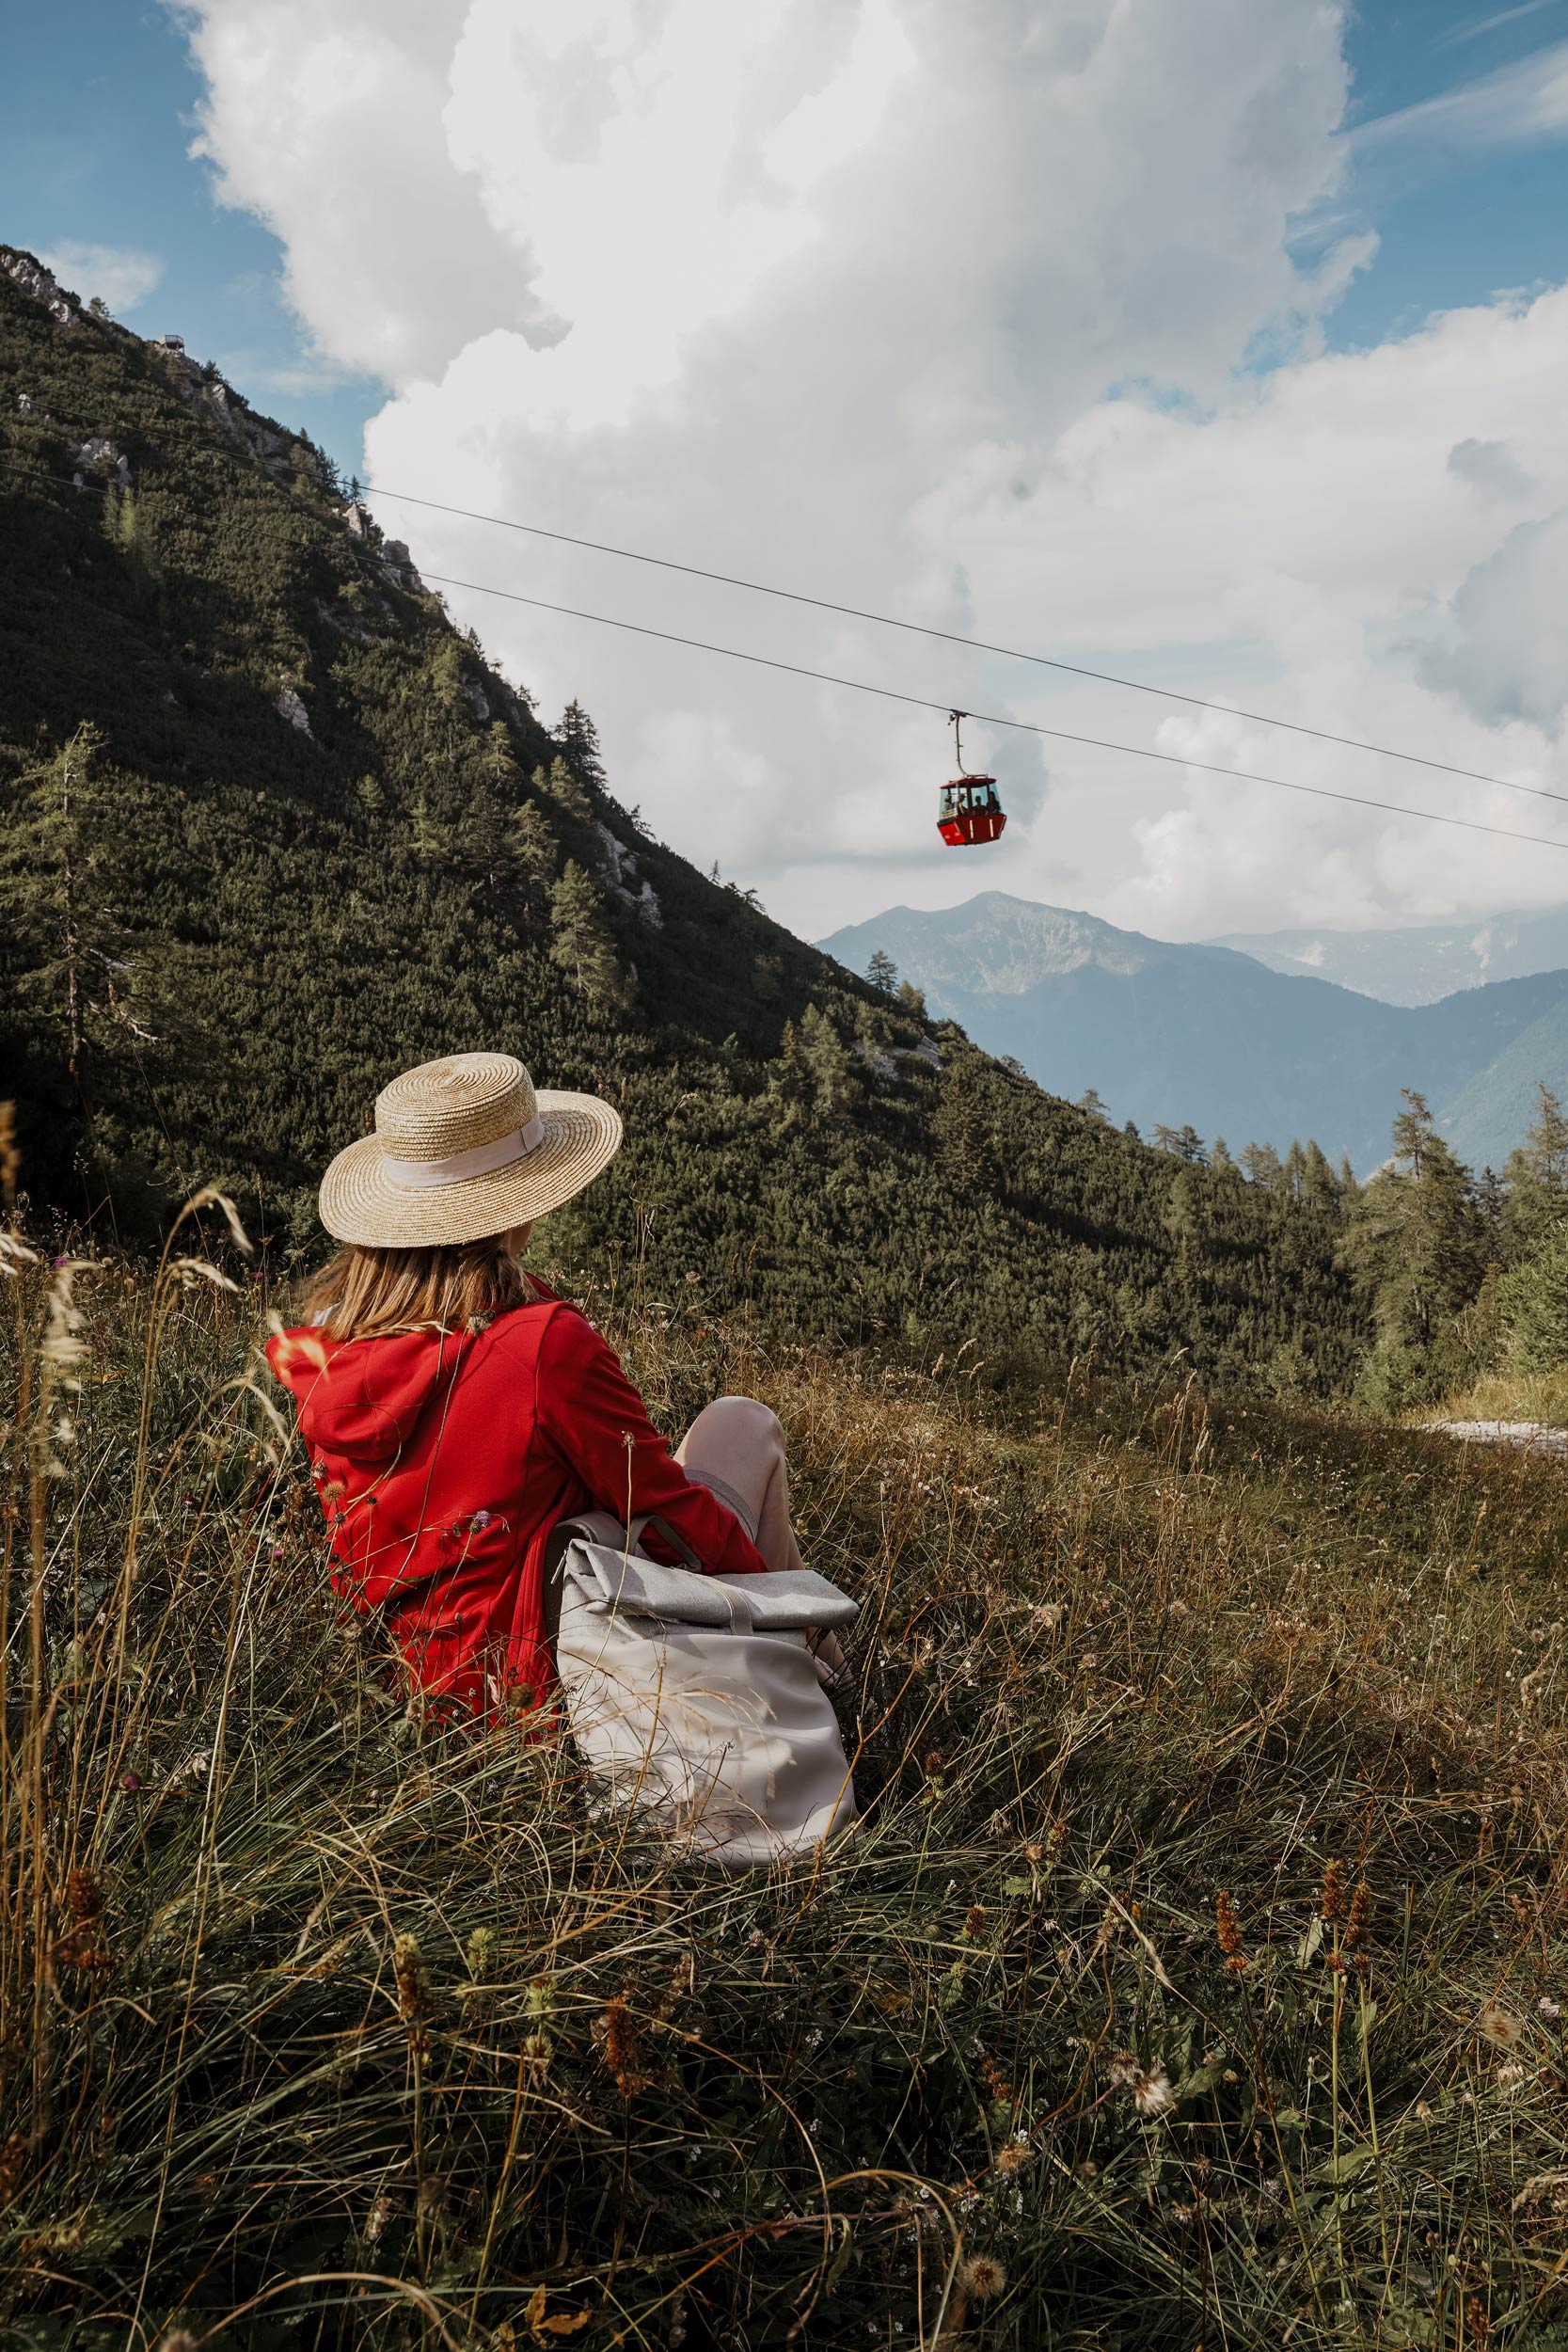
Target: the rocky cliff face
(29, 274)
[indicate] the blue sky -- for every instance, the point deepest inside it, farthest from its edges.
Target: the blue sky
(96, 118)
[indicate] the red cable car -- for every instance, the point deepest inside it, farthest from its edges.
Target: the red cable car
(968, 809)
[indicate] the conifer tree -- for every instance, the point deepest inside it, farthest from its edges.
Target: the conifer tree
(911, 999)
(966, 1147)
(47, 893)
(581, 945)
(1260, 1164)
(563, 786)
(790, 1083)
(534, 850)
(1318, 1183)
(579, 739)
(1185, 1143)
(428, 838)
(1091, 1101)
(1414, 1243)
(833, 1073)
(882, 973)
(1537, 1177)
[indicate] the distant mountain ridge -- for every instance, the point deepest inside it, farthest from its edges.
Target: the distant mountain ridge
(1170, 1033)
(1419, 965)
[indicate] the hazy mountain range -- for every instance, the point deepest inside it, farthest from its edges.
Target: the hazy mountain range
(1417, 966)
(1171, 1033)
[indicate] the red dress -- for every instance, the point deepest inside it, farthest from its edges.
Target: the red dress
(443, 1463)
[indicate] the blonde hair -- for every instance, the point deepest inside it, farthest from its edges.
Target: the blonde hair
(366, 1293)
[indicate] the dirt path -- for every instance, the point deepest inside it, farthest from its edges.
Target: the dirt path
(1534, 1435)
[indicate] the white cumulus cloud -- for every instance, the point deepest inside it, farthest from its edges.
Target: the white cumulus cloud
(121, 275)
(955, 313)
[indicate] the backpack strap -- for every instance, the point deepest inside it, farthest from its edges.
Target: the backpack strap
(602, 1527)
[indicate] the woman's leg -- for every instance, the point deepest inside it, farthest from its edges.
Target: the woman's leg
(741, 1442)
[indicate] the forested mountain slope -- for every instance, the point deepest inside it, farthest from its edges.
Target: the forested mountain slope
(272, 829)
(1169, 1032)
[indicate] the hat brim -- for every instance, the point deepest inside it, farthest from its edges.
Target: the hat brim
(362, 1203)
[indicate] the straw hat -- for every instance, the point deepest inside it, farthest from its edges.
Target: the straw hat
(465, 1148)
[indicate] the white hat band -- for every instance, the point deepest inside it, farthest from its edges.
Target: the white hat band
(458, 1166)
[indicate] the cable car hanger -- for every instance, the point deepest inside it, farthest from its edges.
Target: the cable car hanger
(967, 810)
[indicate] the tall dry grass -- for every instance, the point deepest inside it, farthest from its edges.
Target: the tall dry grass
(1194, 1978)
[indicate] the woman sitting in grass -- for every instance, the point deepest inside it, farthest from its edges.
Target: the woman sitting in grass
(455, 1410)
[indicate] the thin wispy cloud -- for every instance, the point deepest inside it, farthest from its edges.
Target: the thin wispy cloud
(1517, 104)
(122, 275)
(1493, 25)
(1460, 34)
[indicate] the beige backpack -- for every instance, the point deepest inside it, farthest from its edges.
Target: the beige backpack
(694, 1699)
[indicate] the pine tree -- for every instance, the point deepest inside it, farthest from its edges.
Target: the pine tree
(428, 838)
(534, 850)
(790, 1083)
(966, 1147)
(1532, 1301)
(581, 945)
(1295, 1170)
(832, 1072)
(1185, 1143)
(1091, 1101)
(1413, 1242)
(1537, 1177)
(579, 739)
(873, 1029)
(911, 999)
(882, 973)
(563, 786)
(44, 889)
(1318, 1184)
(1260, 1164)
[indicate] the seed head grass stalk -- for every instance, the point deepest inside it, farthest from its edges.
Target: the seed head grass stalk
(326, 2017)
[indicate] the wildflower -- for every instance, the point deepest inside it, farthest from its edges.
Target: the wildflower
(1358, 1935)
(479, 1521)
(413, 1984)
(1511, 2073)
(1331, 1902)
(377, 2219)
(1496, 2026)
(1548, 2008)
(13, 2164)
(622, 2047)
(131, 1782)
(1478, 2326)
(983, 2278)
(1151, 2091)
(1015, 2156)
(1228, 1929)
(974, 1921)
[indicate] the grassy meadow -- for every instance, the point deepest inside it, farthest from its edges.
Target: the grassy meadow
(1194, 1978)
